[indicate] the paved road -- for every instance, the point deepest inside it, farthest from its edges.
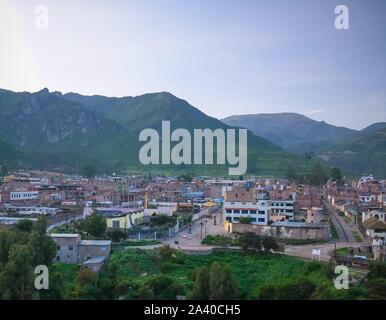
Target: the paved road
(343, 228)
(326, 249)
(198, 232)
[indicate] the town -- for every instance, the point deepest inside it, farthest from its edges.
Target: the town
(91, 219)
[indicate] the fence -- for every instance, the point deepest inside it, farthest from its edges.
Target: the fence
(156, 233)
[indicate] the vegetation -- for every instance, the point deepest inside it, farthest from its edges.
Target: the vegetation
(245, 220)
(334, 233)
(220, 240)
(88, 171)
(95, 225)
(145, 274)
(357, 236)
(22, 248)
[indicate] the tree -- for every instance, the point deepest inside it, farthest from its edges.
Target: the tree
(291, 173)
(95, 225)
(201, 288)
(269, 244)
(216, 290)
(222, 284)
(85, 276)
(4, 170)
(16, 281)
(145, 292)
(245, 220)
(376, 280)
(229, 284)
(89, 171)
(117, 235)
(43, 246)
(250, 241)
(166, 252)
(336, 174)
(319, 176)
(185, 177)
(164, 287)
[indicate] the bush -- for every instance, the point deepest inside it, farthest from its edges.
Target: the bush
(117, 235)
(311, 266)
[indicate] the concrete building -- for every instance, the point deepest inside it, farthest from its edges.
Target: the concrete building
(66, 247)
(23, 195)
(89, 253)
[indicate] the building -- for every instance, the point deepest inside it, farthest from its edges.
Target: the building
(241, 202)
(379, 215)
(71, 249)
(66, 247)
(23, 195)
(375, 229)
(125, 220)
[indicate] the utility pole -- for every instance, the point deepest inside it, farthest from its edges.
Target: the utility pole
(201, 226)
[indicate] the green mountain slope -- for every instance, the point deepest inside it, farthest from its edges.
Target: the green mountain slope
(106, 129)
(15, 157)
(289, 129)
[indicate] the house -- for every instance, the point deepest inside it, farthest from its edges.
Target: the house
(122, 218)
(71, 249)
(375, 229)
(88, 249)
(66, 247)
(379, 215)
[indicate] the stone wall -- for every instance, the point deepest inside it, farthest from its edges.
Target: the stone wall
(302, 233)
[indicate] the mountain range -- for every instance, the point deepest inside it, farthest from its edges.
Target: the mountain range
(49, 130)
(357, 151)
(62, 130)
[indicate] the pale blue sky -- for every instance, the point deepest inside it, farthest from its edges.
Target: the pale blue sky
(224, 57)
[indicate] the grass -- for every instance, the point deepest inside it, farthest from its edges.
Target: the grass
(357, 236)
(334, 233)
(220, 240)
(252, 271)
(343, 251)
(134, 243)
(69, 273)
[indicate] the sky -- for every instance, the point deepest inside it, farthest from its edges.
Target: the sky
(224, 57)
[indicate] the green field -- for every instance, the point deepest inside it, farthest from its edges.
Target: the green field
(136, 268)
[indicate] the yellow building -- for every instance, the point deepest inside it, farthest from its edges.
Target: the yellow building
(125, 221)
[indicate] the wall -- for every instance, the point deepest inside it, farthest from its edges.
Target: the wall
(302, 233)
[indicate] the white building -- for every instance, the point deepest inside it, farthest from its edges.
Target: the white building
(23, 195)
(257, 211)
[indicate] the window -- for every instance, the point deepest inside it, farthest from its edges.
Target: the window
(236, 211)
(244, 211)
(71, 248)
(261, 220)
(236, 219)
(252, 211)
(228, 211)
(58, 248)
(116, 224)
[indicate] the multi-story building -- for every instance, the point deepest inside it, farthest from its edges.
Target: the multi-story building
(240, 202)
(23, 195)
